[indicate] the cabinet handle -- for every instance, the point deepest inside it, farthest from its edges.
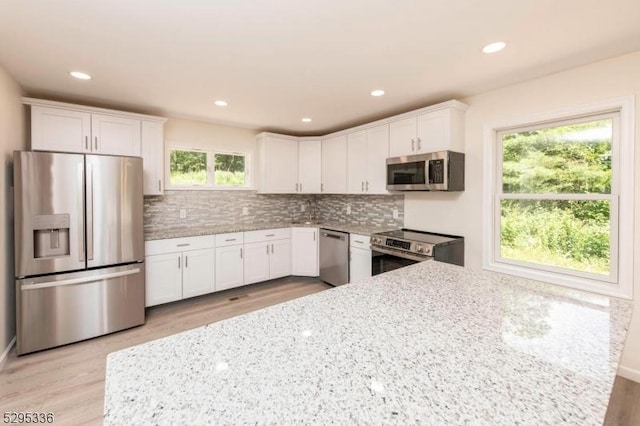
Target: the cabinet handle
(231, 239)
(267, 248)
(322, 187)
(270, 235)
(96, 142)
(413, 145)
(300, 186)
(86, 142)
(183, 245)
(362, 186)
(271, 248)
(367, 186)
(240, 252)
(296, 187)
(178, 262)
(186, 261)
(419, 145)
(159, 185)
(314, 235)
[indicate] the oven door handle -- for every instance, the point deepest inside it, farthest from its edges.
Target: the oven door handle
(398, 253)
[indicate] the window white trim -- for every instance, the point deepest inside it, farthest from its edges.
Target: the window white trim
(625, 206)
(210, 186)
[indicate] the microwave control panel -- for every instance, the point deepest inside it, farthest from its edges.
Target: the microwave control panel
(436, 171)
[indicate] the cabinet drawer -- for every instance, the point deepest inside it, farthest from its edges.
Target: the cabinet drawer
(359, 241)
(230, 239)
(174, 245)
(267, 235)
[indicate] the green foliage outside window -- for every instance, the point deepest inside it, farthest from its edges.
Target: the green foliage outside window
(190, 168)
(572, 159)
(230, 170)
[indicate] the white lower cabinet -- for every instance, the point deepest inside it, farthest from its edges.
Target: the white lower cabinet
(198, 274)
(229, 260)
(163, 278)
(359, 257)
(304, 252)
(178, 268)
(267, 254)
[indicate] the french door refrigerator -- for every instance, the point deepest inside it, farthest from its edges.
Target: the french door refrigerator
(79, 247)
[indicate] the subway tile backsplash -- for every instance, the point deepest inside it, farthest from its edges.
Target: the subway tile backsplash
(214, 208)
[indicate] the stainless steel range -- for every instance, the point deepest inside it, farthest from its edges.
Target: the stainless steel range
(395, 249)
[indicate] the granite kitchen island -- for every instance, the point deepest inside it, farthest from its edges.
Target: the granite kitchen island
(431, 343)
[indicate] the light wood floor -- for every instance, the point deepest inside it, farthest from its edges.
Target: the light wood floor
(69, 381)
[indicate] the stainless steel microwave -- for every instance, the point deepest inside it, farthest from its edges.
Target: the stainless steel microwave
(435, 171)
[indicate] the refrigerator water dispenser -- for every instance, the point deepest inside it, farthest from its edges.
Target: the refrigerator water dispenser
(51, 235)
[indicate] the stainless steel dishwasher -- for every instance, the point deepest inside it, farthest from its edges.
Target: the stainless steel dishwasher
(334, 257)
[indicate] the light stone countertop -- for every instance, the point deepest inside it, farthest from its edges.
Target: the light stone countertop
(193, 231)
(430, 343)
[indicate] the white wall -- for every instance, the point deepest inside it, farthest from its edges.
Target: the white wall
(11, 138)
(462, 213)
(201, 135)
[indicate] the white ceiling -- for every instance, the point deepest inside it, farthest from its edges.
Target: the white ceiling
(280, 60)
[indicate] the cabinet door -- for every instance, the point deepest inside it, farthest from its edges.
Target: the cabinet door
(402, 137)
(115, 135)
(198, 275)
(152, 157)
(359, 264)
(334, 165)
(304, 252)
(377, 154)
(434, 131)
(229, 267)
(309, 166)
(163, 278)
(280, 164)
(256, 262)
(55, 129)
(356, 162)
(280, 259)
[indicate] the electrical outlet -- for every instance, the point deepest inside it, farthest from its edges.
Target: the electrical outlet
(395, 213)
(245, 211)
(348, 208)
(183, 213)
(302, 207)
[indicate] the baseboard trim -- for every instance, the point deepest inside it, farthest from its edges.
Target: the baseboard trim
(6, 351)
(629, 373)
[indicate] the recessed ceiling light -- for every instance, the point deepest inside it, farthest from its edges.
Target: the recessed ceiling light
(80, 75)
(494, 47)
(221, 103)
(306, 120)
(377, 92)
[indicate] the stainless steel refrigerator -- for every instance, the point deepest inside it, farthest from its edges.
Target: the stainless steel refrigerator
(79, 247)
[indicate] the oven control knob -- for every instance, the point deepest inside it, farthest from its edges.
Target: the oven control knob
(420, 248)
(376, 240)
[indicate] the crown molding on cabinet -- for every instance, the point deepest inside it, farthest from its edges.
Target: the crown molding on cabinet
(77, 107)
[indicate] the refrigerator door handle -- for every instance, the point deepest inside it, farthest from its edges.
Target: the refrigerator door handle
(89, 211)
(72, 281)
(81, 256)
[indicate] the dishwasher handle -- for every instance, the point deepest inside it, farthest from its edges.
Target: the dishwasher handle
(336, 236)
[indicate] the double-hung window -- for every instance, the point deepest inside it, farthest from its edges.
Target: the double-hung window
(203, 169)
(557, 189)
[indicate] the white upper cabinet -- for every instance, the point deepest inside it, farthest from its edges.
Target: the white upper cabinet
(377, 154)
(54, 129)
(439, 129)
(334, 165)
(115, 135)
(153, 156)
(356, 162)
(309, 166)
(402, 137)
(367, 152)
(277, 165)
(56, 126)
